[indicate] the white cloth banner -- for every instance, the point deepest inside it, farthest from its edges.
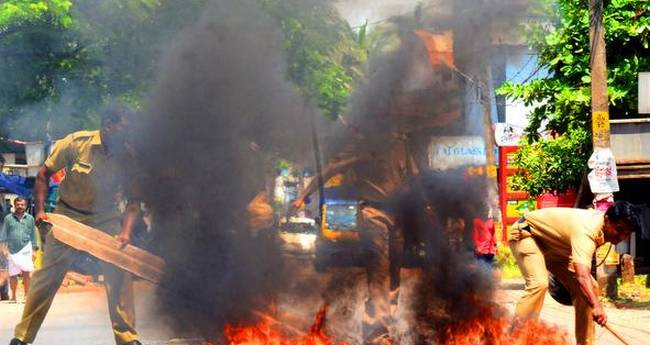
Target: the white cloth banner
(603, 177)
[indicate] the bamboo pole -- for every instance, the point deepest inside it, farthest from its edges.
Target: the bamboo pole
(616, 334)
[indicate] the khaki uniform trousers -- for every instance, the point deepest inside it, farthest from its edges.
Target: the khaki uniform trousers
(377, 232)
(56, 261)
(535, 267)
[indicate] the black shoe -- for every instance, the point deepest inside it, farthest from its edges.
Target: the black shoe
(135, 342)
(15, 341)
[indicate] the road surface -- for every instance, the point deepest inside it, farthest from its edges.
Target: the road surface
(79, 315)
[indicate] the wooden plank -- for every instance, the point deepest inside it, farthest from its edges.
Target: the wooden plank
(633, 176)
(633, 167)
(106, 248)
(636, 160)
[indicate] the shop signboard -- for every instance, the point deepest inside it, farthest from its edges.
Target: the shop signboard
(507, 134)
(450, 152)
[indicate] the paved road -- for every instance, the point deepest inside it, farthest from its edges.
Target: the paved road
(79, 316)
(634, 325)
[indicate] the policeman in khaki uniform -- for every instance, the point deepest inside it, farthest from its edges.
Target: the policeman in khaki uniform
(563, 241)
(96, 175)
(379, 175)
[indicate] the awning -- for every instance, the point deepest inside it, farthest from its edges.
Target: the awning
(19, 185)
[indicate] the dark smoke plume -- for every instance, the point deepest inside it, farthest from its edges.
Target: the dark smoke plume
(454, 287)
(220, 109)
(436, 209)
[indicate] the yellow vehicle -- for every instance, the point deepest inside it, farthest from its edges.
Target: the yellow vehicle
(338, 243)
(339, 220)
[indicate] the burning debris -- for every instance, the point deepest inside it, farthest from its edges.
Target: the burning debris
(493, 325)
(221, 115)
(264, 333)
(222, 106)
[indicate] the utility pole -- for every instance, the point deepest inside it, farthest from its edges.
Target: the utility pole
(599, 98)
(603, 177)
(488, 134)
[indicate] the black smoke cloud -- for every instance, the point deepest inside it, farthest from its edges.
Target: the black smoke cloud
(221, 107)
(427, 206)
(436, 209)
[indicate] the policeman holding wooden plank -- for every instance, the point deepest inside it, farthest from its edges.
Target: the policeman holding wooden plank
(97, 168)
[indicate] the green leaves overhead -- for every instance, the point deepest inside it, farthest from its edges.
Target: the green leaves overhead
(19, 12)
(562, 101)
(62, 60)
(323, 52)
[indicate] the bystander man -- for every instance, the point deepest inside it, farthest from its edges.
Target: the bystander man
(485, 242)
(18, 241)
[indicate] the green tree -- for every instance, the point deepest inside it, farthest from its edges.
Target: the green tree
(33, 36)
(19, 12)
(63, 60)
(561, 102)
(323, 53)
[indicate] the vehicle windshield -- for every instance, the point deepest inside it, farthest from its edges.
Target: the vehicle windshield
(341, 217)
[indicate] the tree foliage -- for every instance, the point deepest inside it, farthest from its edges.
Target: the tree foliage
(552, 164)
(561, 102)
(20, 12)
(63, 60)
(323, 52)
(33, 44)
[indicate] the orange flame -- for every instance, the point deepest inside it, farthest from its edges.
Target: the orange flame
(264, 334)
(493, 326)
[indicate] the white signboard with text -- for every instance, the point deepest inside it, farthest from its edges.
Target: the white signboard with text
(454, 151)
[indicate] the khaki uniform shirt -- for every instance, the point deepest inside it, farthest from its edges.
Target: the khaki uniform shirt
(94, 178)
(379, 173)
(567, 234)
